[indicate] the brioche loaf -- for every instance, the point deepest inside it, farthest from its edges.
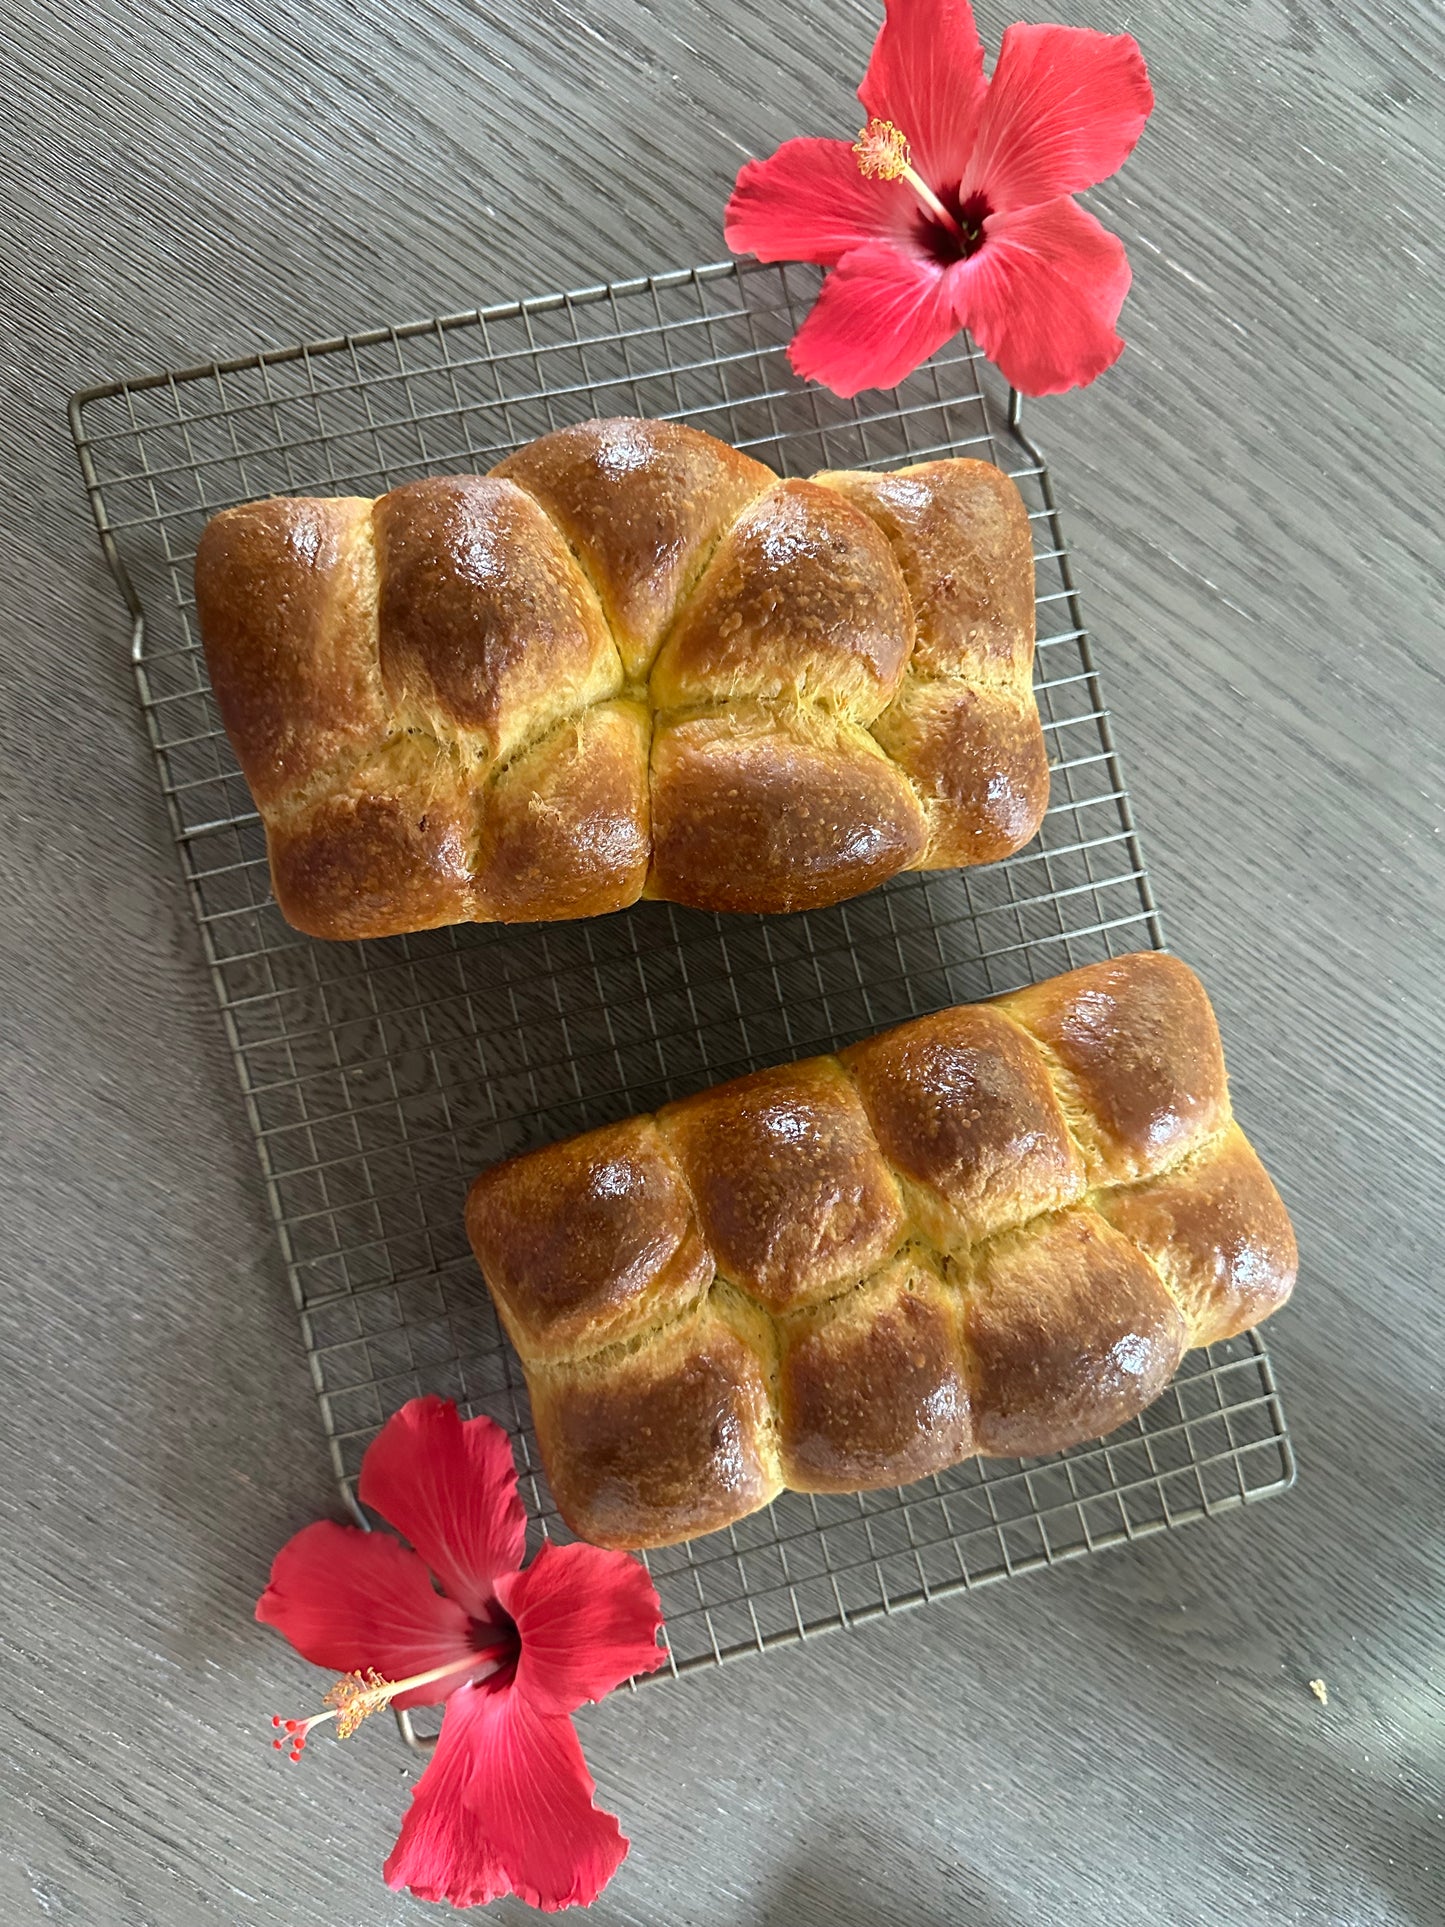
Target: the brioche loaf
(996, 1229)
(629, 661)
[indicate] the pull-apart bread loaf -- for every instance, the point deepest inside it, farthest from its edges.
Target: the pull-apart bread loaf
(628, 662)
(996, 1229)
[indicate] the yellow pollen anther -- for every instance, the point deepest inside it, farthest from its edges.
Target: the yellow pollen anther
(883, 155)
(882, 151)
(357, 1697)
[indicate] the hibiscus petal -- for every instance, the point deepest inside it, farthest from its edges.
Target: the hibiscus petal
(880, 313)
(810, 202)
(1042, 295)
(926, 76)
(587, 1620)
(505, 1806)
(449, 1485)
(349, 1600)
(1065, 108)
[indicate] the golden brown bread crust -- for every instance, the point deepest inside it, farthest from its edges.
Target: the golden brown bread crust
(792, 1193)
(960, 532)
(964, 1111)
(1219, 1234)
(677, 1434)
(831, 681)
(283, 589)
(763, 811)
(1069, 1331)
(870, 1386)
(389, 847)
(855, 1270)
(566, 827)
(802, 601)
(963, 727)
(361, 863)
(976, 760)
(1137, 1061)
(643, 504)
(592, 1239)
(486, 626)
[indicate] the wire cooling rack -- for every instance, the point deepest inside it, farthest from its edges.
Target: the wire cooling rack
(380, 1077)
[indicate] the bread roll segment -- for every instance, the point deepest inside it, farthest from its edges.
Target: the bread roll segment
(782, 692)
(996, 1229)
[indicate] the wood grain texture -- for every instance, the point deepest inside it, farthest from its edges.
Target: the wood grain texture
(1253, 497)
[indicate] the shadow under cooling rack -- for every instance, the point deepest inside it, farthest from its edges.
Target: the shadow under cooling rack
(380, 1077)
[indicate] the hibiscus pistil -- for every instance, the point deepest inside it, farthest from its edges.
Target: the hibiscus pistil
(356, 1696)
(884, 155)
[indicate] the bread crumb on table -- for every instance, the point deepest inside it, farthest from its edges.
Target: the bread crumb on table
(1320, 1691)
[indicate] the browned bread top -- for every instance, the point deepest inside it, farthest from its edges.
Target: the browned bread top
(801, 600)
(629, 661)
(967, 559)
(965, 1112)
(643, 504)
(283, 590)
(1136, 1061)
(995, 1229)
(791, 1192)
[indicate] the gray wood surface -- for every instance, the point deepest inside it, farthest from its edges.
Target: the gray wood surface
(1253, 496)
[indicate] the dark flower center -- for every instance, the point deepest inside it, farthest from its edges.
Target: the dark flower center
(495, 1635)
(940, 242)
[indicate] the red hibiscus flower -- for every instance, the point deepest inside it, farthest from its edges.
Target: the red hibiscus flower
(505, 1804)
(953, 209)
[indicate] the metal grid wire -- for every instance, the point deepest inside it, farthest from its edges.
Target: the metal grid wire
(380, 1077)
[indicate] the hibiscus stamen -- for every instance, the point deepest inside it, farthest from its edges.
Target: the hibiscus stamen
(356, 1696)
(883, 155)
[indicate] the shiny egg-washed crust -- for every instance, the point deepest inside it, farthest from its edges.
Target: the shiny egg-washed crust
(630, 661)
(996, 1229)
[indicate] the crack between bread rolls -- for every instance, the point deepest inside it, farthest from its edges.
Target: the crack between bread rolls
(946, 1262)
